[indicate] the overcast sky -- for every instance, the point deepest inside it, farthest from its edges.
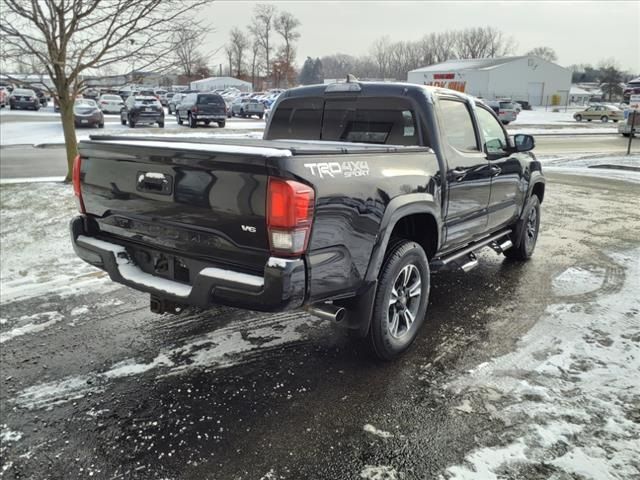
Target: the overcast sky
(579, 32)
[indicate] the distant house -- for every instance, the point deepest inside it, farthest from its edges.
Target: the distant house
(579, 96)
(528, 78)
(214, 83)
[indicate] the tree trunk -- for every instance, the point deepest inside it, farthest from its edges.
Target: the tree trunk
(69, 129)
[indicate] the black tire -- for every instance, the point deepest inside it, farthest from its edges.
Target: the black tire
(178, 119)
(260, 116)
(604, 119)
(101, 125)
(615, 121)
(222, 124)
(588, 119)
(578, 117)
(11, 107)
(123, 121)
(192, 122)
(132, 124)
(403, 256)
(207, 122)
(161, 124)
(169, 109)
(626, 134)
(529, 225)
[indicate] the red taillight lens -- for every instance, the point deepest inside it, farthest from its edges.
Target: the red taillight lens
(194, 109)
(77, 163)
(289, 216)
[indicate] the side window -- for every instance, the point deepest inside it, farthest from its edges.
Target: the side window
(494, 137)
(458, 126)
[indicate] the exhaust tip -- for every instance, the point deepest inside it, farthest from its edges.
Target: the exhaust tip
(327, 311)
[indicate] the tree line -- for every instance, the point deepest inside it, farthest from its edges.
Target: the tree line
(393, 59)
(265, 49)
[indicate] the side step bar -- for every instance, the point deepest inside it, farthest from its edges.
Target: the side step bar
(443, 262)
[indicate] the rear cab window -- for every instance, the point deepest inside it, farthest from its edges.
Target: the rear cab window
(386, 120)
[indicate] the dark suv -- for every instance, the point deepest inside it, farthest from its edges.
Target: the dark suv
(202, 107)
(138, 109)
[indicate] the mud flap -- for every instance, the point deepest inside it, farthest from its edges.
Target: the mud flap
(359, 310)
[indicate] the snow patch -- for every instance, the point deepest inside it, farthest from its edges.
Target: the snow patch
(382, 472)
(79, 310)
(374, 431)
(129, 367)
(575, 408)
(206, 147)
(29, 328)
(7, 435)
(578, 281)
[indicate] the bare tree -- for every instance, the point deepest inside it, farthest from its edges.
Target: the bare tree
(546, 53)
(380, 52)
(74, 37)
(188, 37)
(255, 62)
(239, 43)
(262, 30)
(286, 26)
(228, 51)
(482, 42)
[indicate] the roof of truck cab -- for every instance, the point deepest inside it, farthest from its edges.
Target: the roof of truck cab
(260, 147)
(371, 89)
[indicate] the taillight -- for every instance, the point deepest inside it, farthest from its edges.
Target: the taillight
(77, 163)
(194, 109)
(289, 216)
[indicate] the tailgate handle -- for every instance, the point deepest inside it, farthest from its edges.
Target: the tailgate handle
(154, 182)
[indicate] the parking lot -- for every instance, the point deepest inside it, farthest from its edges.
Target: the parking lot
(93, 385)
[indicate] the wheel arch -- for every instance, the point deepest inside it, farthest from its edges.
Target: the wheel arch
(414, 217)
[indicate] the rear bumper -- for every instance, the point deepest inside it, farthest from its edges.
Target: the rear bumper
(214, 117)
(281, 287)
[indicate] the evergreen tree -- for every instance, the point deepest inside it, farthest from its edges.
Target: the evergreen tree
(317, 75)
(306, 76)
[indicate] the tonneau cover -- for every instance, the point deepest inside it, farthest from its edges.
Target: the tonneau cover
(288, 147)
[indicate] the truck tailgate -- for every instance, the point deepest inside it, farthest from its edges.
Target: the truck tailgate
(200, 199)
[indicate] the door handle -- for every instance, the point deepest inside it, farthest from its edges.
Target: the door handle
(458, 174)
(495, 170)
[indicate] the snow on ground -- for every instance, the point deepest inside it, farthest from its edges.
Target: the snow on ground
(568, 130)
(36, 256)
(542, 116)
(617, 167)
(222, 348)
(569, 394)
(382, 472)
(50, 132)
(377, 432)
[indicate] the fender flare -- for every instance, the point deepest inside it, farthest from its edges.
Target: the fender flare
(398, 208)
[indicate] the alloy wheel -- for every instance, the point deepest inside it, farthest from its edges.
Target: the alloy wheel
(404, 301)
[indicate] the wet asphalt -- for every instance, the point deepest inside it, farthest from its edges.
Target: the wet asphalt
(291, 409)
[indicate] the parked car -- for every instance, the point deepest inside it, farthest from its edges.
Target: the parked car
(631, 124)
(524, 104)
(24, 98)
(142, 109)
(505, 110)
(109, 103)
(247, 107)
(604, 113)
(86, 113)
(174, 101)
(162, 96)
(4, 95)
(306, 218)
(92, 93)
(202, 108)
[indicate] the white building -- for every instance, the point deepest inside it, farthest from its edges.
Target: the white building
(214, 83)
(519, 78)
(579, 96)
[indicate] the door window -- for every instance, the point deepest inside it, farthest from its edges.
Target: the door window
(458, 126)
(494, 137)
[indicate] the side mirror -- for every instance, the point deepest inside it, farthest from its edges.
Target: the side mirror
(523, 143)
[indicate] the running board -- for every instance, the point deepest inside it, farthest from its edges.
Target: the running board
(471, 262)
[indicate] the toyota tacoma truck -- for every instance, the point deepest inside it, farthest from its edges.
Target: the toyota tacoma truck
(356, 193)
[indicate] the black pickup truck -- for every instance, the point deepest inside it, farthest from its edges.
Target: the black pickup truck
(356, 193)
